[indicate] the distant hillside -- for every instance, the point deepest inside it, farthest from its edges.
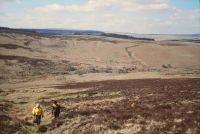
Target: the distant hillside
(182, 37)
(54, 32)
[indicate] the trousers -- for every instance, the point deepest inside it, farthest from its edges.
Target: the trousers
(37, 119)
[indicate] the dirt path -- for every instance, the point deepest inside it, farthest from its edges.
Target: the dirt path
(132, 56)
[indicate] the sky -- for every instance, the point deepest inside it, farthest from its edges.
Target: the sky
(132, 16)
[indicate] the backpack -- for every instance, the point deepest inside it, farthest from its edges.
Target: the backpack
(56, 109)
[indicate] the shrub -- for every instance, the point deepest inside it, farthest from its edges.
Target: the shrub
(92, 69)
(71, 68)
(167, 66)
(108, 70)
(42, 129)
(164, 66)
(123, 70)
(80, 72)
(114, 125)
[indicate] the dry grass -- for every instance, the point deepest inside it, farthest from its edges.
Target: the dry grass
(90, 79)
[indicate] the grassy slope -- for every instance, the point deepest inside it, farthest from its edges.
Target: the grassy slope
(31, 66)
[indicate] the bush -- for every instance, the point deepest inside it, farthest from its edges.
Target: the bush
(108, 70)
(9, 63)
(71, 68)
(92, 69)
(80, 72)
(164, 66)
(114, 125)
(123, 70)
(42, 129)
(167, 66)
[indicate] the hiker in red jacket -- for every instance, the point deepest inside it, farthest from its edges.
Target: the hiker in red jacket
(55, 109)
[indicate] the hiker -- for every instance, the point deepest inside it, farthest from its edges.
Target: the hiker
(37, 113)
(55, 109)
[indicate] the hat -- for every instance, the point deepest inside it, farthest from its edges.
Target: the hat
(37, 105)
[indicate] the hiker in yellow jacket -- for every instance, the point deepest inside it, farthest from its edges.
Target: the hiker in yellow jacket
(37, 113)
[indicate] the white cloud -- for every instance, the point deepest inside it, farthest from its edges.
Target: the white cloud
(137, 16)
(100, 5)
(186, 15)
(4, 1)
